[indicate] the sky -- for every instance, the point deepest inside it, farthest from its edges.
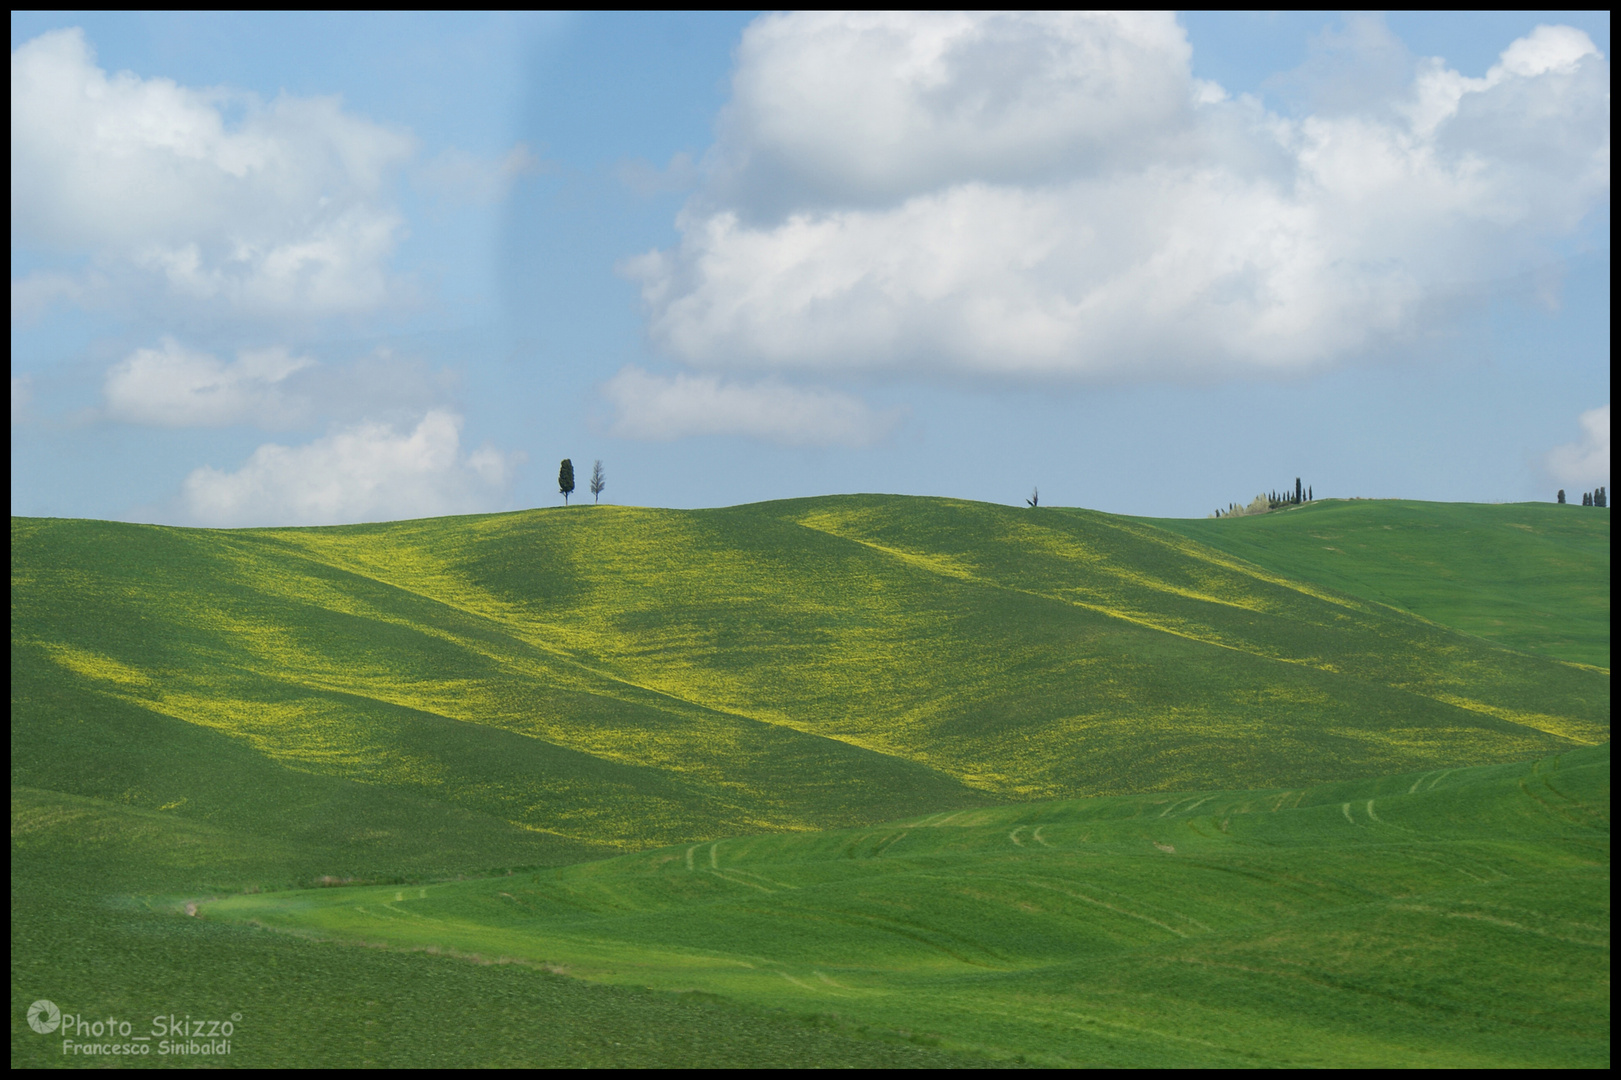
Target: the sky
(326, 268)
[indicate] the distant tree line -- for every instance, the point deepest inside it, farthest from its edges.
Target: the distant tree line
(1596, 497)
(1268, 501)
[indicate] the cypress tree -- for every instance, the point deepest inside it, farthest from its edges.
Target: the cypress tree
(565, 479)
(1561, 496)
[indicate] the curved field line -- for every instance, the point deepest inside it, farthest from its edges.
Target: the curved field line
(1447, 866)
(1499, 922)
(714, 863)
(690, 850)
(1111, 907)
(1371, 815)
(1345, 808)
(830, 982)
(727, 877)
(887, 844)
(762, 877)
(1036, 836)
(1188, 810)
(1014, 835)
(917, 934)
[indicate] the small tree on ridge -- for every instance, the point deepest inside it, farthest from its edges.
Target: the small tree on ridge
(565, 479)
(599, 480)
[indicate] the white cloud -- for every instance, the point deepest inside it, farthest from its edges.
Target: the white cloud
(171, 386)
(658, 408)
(368, 472)
(1585, 463)
(1545, 49)
(1055, 195)
(871, 107)
(283, 210)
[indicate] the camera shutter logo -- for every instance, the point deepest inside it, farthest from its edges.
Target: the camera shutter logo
(44, 1017)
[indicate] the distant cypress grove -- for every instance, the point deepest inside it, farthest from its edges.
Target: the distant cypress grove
(1271, 501)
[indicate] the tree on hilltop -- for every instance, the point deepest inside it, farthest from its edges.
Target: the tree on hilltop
(565, 479)
(1035, 497)
(599, 480)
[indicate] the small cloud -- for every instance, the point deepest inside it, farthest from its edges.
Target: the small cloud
(367, 472)
(1585, 462)
(658, 408)
(646, 180)
(1546, 49)
(171, 386)
(456, 176)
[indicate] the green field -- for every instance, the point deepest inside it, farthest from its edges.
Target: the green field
(1533, 576)
(1454, 917)
(198, 713)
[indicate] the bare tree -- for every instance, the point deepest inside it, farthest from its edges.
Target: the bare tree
(599, 480)
(1035, 497)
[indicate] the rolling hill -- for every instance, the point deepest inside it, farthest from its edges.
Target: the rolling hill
(544, 685)
(1532, 576)
(202, 712)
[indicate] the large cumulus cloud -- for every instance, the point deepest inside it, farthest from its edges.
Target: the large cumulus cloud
(204, 196)
(1057, 196)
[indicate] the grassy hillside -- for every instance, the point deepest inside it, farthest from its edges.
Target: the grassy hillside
(536, 687)
(1532, 576)
(1450, 918)
(200, 713)
(87, 934)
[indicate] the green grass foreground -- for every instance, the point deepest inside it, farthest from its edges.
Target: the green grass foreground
(1454, 918)
(197, 713)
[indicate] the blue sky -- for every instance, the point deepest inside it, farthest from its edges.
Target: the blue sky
(307, 269)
